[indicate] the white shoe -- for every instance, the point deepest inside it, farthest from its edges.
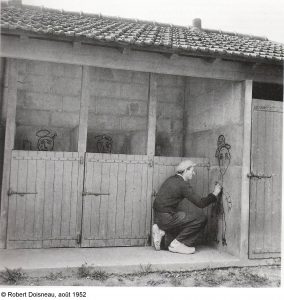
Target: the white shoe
(178, 247)
(157, 235)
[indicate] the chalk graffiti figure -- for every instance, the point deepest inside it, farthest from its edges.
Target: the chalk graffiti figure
(46, 140)
(224, 202)
(104, 143)
(223, 154)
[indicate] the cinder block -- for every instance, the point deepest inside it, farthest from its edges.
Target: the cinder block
(106, 89)
(72, 71)
(64, 119)
(66, 86)
(32, 117)
(134, 91)
(97, 74)
(71, 104)
(169, 110)
(102, 122)
(170, 94)
(39, 101)
(164, 125)
(139, 143)
(35, 83)
(44, 68)
(110, 106)
(164, 80)
(123, 76)
(133, 123)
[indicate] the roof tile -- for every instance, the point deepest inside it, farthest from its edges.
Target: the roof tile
(138, 33)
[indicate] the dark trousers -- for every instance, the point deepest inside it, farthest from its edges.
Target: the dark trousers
(181, 226)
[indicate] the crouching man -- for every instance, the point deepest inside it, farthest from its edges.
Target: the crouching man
(178, 230)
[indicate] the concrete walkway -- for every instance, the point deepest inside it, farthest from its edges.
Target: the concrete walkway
(119, 259)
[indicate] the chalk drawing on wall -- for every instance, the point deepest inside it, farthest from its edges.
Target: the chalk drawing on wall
(46, 140)
(224, 203)
(104, 143)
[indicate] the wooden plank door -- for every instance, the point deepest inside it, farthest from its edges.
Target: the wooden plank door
(265, 179)
(44, 199)
(117, 200)
(164, 167)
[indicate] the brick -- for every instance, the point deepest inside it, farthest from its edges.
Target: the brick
(32, 117)
(133, 123)
(64, 119)
(71, 104)
(30, 100)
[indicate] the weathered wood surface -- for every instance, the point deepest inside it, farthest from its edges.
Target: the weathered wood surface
(65, 52)
(265, 193)
(46, 216)
(119, 215)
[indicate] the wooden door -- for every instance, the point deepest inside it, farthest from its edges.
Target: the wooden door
(44, 199)
(164, 167)
(265, 179)
(117, 200)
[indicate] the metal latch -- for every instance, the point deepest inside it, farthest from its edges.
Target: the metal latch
(78, 238)
(258, 176)
(11, 192)
(154, 194)
(94, 194)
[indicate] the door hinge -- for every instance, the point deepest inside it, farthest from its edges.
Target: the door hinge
(258, 176)
(151, 163)
(81, 160)
(78, 238)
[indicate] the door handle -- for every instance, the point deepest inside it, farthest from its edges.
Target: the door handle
(94, 194)
(258, 176)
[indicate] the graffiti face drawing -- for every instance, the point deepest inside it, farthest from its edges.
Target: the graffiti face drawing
(223, 154)
(104, 143)
(46, 140)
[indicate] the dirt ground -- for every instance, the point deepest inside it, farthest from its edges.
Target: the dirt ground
(262, 276)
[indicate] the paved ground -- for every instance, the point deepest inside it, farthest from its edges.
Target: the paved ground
(119, 259)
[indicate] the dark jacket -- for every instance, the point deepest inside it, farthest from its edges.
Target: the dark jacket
(174, 190)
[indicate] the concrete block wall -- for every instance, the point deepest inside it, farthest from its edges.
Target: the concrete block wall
(214, 108)
(170, 115)
(48, 97)
(118, 108)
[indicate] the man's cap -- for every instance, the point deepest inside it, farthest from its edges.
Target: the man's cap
(184, 165)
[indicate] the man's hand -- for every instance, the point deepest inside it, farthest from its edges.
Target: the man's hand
(217, 189)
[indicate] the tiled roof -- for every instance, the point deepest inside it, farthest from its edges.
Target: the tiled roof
(139, 34)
